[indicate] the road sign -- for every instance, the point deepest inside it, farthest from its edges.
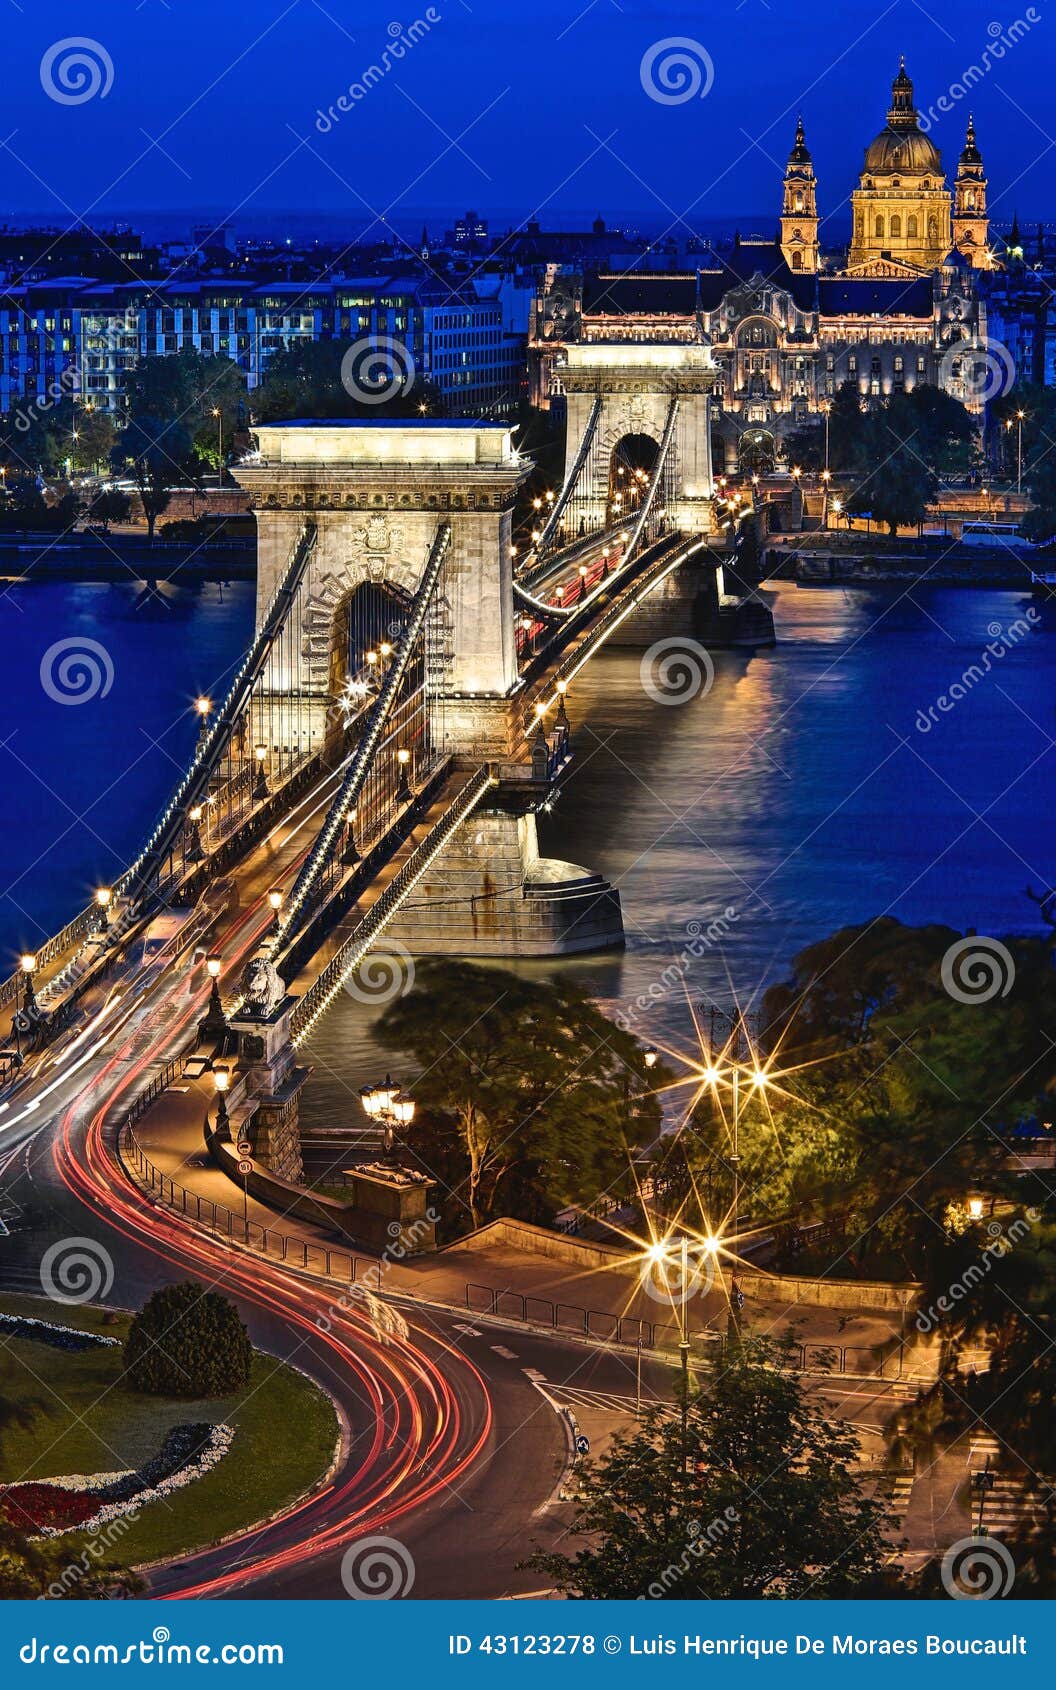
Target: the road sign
(582, 1445)
(245, 1167)
(244, 1147)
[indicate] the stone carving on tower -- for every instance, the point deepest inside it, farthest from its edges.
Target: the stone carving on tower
(971, 225)
(799, 211)
(901, 209)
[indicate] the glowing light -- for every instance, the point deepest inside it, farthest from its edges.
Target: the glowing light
(213, 965)
(975, 1208)
(203, 706)
(275, 897)
(27, 963)
(221, 1080)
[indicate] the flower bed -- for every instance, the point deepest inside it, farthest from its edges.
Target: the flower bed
(47, 1508)
(59, 1337)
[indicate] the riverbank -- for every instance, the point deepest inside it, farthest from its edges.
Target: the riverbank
(939, 562)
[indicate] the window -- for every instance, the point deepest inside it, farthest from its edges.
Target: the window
(852, 364)
(879, 226)
(898, 363)
(911, 228)
(797, 261)
(896, 225)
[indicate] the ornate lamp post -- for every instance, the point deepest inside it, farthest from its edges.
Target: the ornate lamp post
(26, 964)
(193, 851)
(403, 791)
(350, 855)
(260, 790)
(390, 1106)
(204, 707)
(219, 415)
(104, 897)
(222, 1081)
(275, 897)
(214, 1025)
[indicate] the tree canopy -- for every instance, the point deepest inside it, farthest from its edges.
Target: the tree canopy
(765, 1506)
(538, 1096)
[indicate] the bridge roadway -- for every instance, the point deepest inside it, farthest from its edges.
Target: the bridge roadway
(434, 1439)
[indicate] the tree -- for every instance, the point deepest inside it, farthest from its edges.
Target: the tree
(109, 505)
(544, 1094)
(900, 1091)
(187, 1342)
(897, 482)
(805, 447)
(767, 1508)
(309, 378)
(845, 424)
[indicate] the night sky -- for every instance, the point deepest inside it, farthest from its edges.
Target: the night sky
(512, 110)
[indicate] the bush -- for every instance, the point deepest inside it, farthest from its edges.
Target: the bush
(187, 1342)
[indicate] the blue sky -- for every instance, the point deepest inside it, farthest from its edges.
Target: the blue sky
(213, 104)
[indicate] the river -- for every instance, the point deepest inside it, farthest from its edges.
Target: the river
(811, 785)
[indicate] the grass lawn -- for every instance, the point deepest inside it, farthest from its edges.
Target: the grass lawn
(87, 1422)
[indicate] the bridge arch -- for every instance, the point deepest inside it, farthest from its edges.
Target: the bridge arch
(634, 385)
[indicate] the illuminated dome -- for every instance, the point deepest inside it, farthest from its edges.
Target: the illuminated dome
(902, 144)
(902, 149)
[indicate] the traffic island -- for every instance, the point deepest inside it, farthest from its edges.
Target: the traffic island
(96, 1426)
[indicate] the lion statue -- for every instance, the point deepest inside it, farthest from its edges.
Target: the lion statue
(263, 988)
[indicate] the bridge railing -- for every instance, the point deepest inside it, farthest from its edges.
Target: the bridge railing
(79, 928)
(321, 994)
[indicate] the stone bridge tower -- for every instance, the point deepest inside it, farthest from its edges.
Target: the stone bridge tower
(636, 382)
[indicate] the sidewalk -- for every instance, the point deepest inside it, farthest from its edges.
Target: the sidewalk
(480, 1278)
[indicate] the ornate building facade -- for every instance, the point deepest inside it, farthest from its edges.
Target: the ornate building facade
(786, 326)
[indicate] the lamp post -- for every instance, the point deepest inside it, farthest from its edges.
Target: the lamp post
(26, 965)
(350, 855)
(392, 1107)
(222, 1081)
(193, 851)
(204, 707)
(260, 789)
(826, 407)
(214, 1026)
(1020, 415)
(275, 897)
(219, 415)
(103, 899)
(403, 791)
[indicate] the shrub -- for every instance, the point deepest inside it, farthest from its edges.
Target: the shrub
(187, 1342)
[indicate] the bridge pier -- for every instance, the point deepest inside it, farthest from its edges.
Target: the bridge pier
(490, 894)
(693, 603)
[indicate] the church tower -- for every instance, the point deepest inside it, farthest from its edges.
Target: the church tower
(901, 207)
(971, 225)
(799, 211)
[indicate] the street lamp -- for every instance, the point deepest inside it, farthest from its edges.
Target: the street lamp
(26, 964)
(219, 415)
(403, 791)
(222, 1081)
(275, 897)
(650, 1056)
(103, 898)
(1020, 416)
(214, 1026)
(260, 790)
(826, 407)
(203, 707)
(193, 851)
(392, 1107)
(350, 855)
(661, 1255)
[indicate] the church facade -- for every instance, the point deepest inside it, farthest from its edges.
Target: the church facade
(788, 327)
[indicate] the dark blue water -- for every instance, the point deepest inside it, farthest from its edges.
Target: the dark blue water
(798, 794)
(81, 781)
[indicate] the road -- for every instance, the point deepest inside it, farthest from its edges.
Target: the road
(447, 1445)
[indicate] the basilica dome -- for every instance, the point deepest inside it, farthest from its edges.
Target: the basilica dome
(902, 149)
